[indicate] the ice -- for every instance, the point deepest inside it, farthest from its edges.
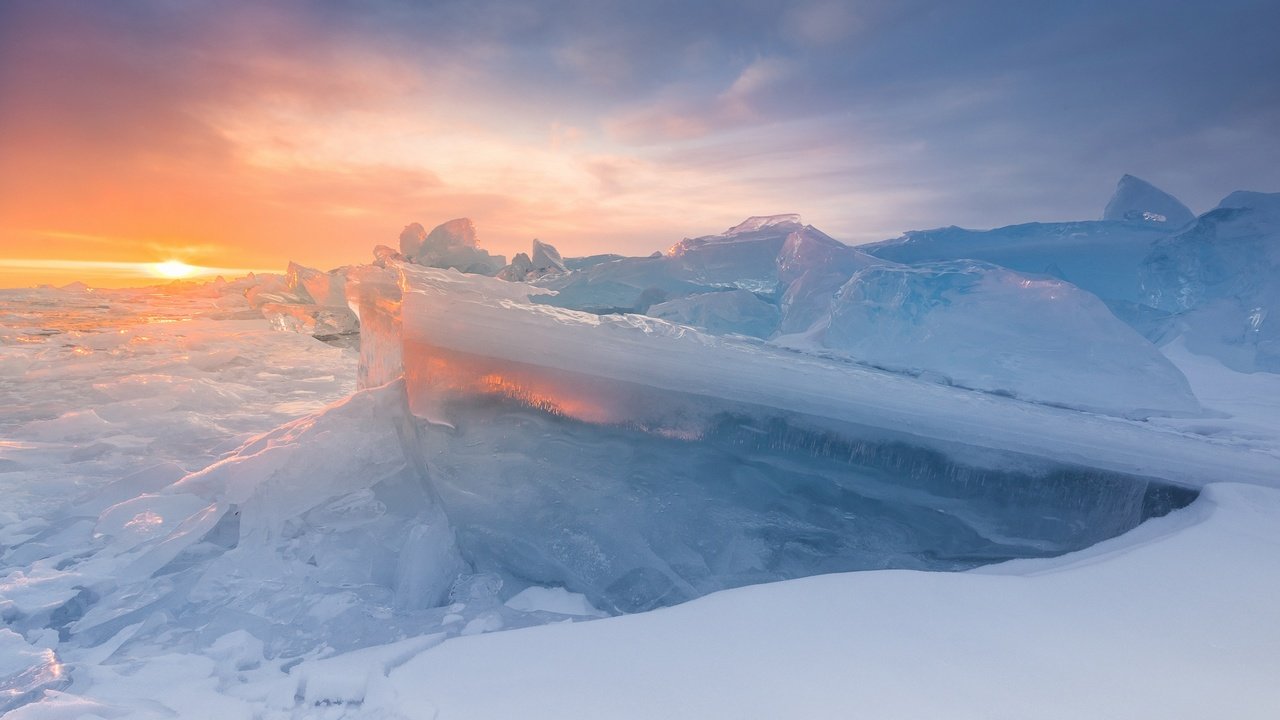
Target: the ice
(319, 321)
(587, 470)
(1265, 202)
(743, 256)
(451, 244)
(812, 268)
(545, 261)
(1137, 200)
(146, 517)
(1219, 277)
(545, 258)
(267, 288)
(411, 239)
(326, 289)
(26, 671)
(613, 369)
(383, 254)
(374, 293)
(985, 327)
(429, 564)
(520, 269)
(144, 481)
(582, 263)
(315, 305)
(625, 285)
(538, 465)
(552, 600)
(1102, 257)
(731, 311)
(761, 222)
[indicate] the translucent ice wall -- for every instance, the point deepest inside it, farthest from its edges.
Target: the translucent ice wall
(642, 463)
(465, 335)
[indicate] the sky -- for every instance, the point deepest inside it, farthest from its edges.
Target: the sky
(240, 135)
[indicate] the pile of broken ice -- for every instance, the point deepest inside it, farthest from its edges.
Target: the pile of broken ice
(762, 404)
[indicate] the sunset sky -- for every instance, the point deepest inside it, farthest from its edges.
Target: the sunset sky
(240, 135)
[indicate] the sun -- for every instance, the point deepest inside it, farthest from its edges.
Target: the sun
(173, 269)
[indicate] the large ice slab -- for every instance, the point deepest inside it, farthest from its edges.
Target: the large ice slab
(812, 268)
(1222, 275)
(542, 260)
(732, 311)
(1137, 200)
(623, 285)
(322, 288)
(588, 450)
(1103, 257)
(747, 257)
(451, 244)
(615, 370)
(986, 327)
(743, 256)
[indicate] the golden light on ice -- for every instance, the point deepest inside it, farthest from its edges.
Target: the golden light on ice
(173, 269)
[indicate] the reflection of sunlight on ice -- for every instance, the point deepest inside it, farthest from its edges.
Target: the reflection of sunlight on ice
(53, 669)
(145, 522)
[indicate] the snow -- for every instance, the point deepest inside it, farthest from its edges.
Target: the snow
(1102, 636)
(1137, 200)
(553, 600)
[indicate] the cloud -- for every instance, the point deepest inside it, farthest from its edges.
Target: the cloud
(821, 23)
(248, 133)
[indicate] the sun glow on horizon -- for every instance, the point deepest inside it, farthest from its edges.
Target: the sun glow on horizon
(29, 272)
(173, 269)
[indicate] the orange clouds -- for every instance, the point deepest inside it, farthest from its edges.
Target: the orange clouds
(244, 135)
